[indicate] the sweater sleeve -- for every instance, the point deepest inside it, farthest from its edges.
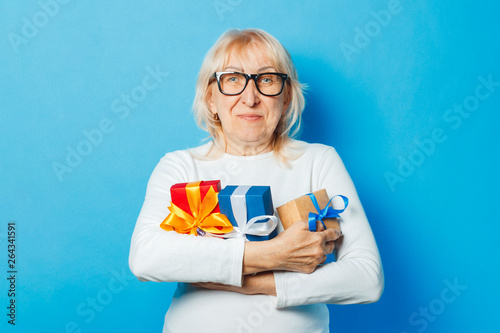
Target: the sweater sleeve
(357, 275)
(166, 256)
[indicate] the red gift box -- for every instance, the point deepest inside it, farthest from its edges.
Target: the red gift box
(195, 209)
(178, 194)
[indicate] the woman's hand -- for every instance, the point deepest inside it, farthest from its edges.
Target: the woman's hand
(262, 283)
(296, 249)
(300, 250)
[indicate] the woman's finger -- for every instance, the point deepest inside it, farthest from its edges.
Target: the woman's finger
(330, 234)
(329, 247)
(319, 226)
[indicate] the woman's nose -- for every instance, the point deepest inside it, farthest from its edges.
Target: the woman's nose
(250, 96)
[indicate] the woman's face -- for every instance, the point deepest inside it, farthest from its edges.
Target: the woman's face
(250, 118)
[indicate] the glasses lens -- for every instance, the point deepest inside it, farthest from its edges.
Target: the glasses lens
(270, 84)
(232, 83)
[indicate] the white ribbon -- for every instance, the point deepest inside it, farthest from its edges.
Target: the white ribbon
(239, 206)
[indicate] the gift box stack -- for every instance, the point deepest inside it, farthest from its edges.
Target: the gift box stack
(202, 208)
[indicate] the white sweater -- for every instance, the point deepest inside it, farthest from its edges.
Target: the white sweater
(158, 255)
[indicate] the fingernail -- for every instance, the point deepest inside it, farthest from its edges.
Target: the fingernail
(200, 232)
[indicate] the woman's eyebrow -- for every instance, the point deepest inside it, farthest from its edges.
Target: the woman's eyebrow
(237, 69)
(265, 68)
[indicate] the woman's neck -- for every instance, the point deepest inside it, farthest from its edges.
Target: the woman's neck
(249, 149)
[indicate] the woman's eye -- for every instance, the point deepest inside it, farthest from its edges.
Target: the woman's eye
(233, 79)
(266, 80)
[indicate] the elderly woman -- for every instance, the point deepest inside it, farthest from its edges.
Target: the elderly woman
(249, 99)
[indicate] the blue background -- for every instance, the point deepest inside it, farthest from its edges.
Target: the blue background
(434, 225)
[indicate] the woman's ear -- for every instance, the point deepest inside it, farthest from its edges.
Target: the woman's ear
(210, 100)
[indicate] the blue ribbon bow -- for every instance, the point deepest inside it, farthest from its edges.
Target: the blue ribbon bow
(327, 212)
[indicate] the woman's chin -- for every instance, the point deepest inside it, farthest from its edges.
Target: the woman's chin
(253, 138)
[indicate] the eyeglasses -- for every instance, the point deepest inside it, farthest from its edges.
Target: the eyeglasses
(233, 83)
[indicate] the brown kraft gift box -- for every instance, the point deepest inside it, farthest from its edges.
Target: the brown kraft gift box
(299, 209)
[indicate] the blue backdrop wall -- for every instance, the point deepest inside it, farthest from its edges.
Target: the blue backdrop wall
(94, 93)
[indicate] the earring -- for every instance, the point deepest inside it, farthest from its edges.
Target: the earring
(215, 116)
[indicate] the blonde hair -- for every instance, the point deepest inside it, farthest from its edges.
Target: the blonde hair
(216, 60)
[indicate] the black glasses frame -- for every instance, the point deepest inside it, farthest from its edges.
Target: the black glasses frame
(254, 77)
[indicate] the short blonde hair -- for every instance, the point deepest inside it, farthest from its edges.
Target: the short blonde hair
(216, 60)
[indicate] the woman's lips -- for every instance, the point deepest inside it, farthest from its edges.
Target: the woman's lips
(250, 117)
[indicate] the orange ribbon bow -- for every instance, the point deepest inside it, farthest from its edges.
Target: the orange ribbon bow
(200, 217)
